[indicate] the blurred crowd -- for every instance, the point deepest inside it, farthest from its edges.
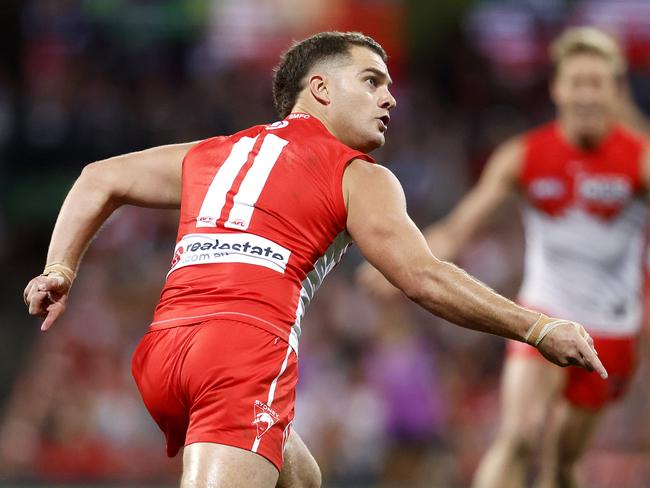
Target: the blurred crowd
(388, 395)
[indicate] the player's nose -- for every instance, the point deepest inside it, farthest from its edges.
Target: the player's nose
(388, 101)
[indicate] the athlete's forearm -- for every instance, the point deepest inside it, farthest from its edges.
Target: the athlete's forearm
(449, 292)
(87, 206)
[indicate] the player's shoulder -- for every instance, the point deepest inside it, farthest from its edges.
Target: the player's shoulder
(517, 147)
(631, 136)
(546, 133)
(364, 172)
(207, 143)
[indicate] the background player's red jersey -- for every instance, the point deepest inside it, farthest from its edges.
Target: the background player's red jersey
(557, 176)
(586, 226)
(262, 222)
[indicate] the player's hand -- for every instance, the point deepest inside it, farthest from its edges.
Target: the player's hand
(47, 297)
(569, 344)
(372, 280)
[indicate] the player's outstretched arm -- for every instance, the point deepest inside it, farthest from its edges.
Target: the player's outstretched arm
(390, 241)
(447, 237)
(150, 178)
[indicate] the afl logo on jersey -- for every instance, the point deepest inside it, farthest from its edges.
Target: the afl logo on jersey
(606, 189)
(277, 125)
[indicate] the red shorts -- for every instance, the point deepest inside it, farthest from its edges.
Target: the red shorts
(588, 390)
(219, 381)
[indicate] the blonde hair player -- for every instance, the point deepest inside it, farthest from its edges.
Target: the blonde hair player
(266, 213)
(583, 178)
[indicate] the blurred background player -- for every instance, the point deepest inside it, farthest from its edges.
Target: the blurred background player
(584, 177)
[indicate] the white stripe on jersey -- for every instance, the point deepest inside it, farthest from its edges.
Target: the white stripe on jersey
(271, 396)
(315, 278)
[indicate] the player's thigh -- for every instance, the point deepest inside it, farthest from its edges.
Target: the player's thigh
(299, 469)
(207, 465)
(529, 387)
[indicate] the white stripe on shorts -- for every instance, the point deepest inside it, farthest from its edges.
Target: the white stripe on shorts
(274, 383)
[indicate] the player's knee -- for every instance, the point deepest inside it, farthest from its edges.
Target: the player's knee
(518, 443)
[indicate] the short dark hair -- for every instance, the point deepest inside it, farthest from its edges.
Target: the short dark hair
(296, 62)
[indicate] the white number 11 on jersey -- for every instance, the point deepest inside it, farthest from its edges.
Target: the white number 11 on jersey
(250, 188)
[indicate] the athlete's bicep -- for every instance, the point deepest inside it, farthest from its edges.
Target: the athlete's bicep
(380, 226)
(149, 178)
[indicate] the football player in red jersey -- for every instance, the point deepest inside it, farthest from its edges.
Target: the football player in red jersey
(265, 214)
(583, 177)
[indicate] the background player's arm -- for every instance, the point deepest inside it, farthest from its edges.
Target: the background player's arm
(390, 241)
(645, 169)
(150, 178)
(629, 113)
(448, 236)
(498, 182)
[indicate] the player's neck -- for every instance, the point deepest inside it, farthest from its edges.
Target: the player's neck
(303, 108)
(585, 141)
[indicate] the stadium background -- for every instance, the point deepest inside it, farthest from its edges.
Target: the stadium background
(388, 396)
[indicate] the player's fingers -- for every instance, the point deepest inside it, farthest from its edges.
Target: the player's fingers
(592, 359)
(54, 311)
(28, 291)
(37, 302)
(31, 289)
(585, 335)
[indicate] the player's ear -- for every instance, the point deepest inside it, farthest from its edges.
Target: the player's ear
(319, 89)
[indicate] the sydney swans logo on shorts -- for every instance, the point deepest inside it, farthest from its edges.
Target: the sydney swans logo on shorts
(264, 417)
(229, 248)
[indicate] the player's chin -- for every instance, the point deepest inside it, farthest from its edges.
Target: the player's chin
(377, 140)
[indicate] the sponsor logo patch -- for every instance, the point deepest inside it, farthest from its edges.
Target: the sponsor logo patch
(195, 249)
(547, 188)
(605, 189)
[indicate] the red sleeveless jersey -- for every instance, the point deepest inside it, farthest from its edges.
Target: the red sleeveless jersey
(585, 223)
(557, 175)
(262, 222)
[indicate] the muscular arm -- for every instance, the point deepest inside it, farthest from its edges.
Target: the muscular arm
(390, 241)
(447, 237)
(498, 181)
(150, 178)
